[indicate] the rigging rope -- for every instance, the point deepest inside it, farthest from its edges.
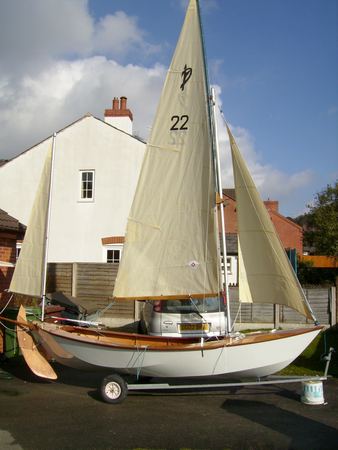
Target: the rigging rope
(6, 304)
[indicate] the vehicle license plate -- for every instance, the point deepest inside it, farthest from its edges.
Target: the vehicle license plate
(194, 327)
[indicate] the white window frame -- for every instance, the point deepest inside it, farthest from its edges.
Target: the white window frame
(229, 265)
(18, 249)
(113, 260)
(106, 248)
(81, 187)
(232, 269)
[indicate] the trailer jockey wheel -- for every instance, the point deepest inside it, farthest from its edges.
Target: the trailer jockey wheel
(114, 389)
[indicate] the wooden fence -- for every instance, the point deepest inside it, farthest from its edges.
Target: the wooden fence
(322, 300)
(93, 283)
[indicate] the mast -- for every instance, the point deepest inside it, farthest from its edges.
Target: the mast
(45, 265)
(215, 154)
(224, 275)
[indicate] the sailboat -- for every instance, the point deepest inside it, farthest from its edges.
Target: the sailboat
(173, 250)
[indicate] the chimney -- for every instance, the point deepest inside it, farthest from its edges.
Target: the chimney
(123, 103)
(115, 104)
(272, 205)
(119, 116)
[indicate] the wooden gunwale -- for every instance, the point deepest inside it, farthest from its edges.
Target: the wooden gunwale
(168, 297)
(130, 341)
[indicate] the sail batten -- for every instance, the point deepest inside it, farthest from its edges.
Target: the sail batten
(176, 187)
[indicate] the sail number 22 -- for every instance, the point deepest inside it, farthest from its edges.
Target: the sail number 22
(179, 122)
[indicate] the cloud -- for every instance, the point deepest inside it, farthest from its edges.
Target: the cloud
(57, 63)
(66, 90)
(270, 181)
(47, 30)
(119, 35)
(42, 31)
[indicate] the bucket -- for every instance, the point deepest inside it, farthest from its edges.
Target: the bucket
(312, 393)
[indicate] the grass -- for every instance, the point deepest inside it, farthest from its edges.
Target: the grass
(310, 362)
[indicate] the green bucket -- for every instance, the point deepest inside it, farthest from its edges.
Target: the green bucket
(11, 347)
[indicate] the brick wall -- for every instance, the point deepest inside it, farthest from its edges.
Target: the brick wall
(289, 232)
(230, 215)
(8, 248)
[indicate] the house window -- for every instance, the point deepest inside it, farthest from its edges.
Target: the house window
(87, 179)
(229, 266)
(18, 249)
(113, 256)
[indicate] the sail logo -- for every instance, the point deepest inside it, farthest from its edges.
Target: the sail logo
(186, 75)
(193, 264)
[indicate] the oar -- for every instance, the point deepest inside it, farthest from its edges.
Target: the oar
(34, 359)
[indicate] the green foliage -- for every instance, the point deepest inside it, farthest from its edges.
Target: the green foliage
(312, 276)
(310, 362)
(322, 222)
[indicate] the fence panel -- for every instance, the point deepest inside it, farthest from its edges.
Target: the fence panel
(60, 277)
(319, 299)
(93, 284)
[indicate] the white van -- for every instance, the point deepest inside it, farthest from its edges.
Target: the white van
(178, 318)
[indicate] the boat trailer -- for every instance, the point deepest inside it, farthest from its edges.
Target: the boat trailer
(114, 388)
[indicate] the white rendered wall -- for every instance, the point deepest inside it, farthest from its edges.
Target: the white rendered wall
(121, 122)
(77, 227)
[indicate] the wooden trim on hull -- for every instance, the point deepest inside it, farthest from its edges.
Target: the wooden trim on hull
(168, 297)
(129, 341)
(254, 338)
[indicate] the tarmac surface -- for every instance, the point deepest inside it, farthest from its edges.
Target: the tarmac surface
(69, 414)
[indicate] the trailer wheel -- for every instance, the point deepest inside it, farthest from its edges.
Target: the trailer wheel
(114, 389)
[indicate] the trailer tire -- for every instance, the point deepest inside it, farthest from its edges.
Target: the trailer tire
(114, 389)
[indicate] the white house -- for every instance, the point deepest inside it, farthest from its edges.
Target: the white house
(95, 174)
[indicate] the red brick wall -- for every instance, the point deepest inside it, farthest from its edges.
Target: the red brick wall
(230, 215)
(289, 233)
(8, 249)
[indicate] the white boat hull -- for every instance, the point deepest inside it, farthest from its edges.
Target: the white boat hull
(229, 357)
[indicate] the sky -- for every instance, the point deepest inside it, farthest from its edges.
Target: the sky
(273, 63)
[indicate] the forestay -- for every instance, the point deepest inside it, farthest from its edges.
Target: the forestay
(171, 246)
(265, 273)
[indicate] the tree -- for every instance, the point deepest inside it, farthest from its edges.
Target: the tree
(313, 276)
(321, 230)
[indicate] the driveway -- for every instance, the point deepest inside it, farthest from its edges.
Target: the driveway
(69, 414)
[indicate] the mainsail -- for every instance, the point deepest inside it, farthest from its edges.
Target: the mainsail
(171, 246)
(29, 273)
(265, 273)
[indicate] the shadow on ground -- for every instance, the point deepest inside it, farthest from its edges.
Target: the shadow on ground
(304, 433)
